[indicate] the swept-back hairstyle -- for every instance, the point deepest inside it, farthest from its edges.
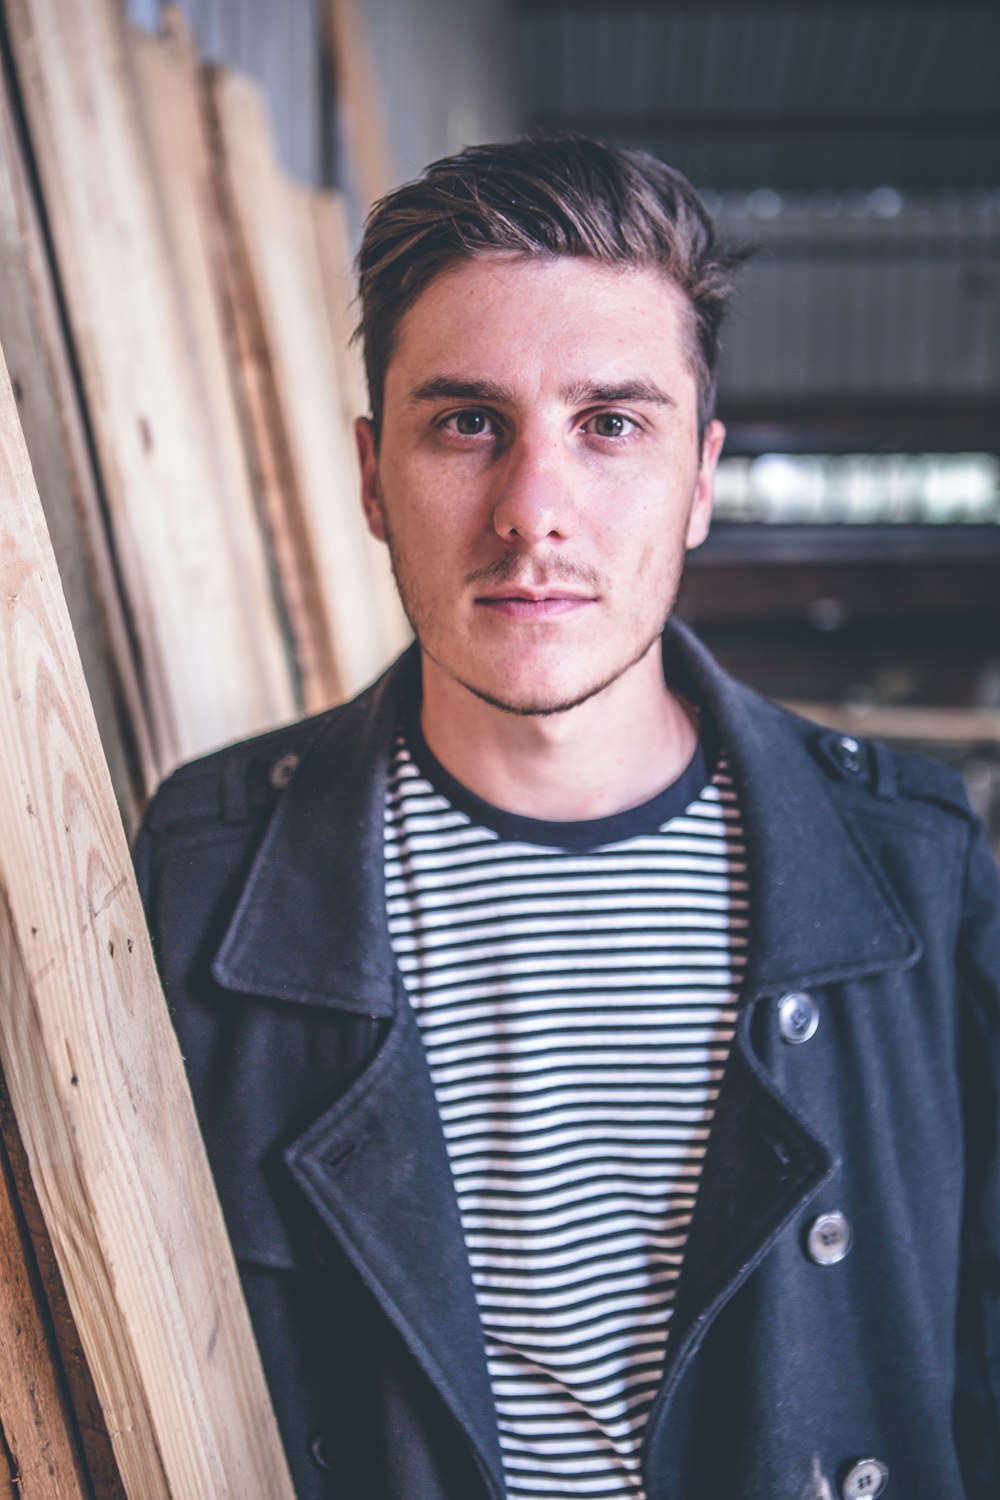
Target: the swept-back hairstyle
(543, 196)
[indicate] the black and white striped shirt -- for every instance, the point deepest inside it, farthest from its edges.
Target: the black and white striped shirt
(575, 986)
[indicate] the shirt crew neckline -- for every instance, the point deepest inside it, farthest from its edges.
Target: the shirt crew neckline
(572, 835)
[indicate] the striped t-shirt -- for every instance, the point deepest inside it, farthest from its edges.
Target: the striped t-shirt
(575, 986)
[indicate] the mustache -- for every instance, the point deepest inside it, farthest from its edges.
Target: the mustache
(537, 573)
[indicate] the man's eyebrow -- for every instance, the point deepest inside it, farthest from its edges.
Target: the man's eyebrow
(451, 388)
(597, 393)
(576, 393)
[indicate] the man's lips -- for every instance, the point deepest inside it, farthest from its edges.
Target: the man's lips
(532, 604)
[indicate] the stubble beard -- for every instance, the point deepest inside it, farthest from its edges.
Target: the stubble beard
(560, 706)
(505, 567)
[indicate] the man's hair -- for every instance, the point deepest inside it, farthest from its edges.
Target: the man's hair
(543, 196)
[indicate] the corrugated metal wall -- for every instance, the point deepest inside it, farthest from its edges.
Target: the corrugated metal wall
(791, 94)
(858, 141)
(865, 294)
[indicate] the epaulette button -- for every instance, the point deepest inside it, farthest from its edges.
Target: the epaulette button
(282, 771)
(847, 753)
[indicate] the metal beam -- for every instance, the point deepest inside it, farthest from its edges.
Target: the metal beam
(649, 122)
(614, 8)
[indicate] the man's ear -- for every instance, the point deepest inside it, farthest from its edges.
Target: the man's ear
(371, 494)
(701, 504)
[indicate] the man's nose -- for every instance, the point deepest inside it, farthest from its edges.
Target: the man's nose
(534, 497)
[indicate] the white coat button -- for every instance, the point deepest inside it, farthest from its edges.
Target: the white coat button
(847, 753)
(829, 1239)
(865, 1479)
(798, 1016)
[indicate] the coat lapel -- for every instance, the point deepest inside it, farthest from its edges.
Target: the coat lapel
(376, 1169)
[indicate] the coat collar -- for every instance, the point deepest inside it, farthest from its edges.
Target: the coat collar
(311, 924)
(820, 911)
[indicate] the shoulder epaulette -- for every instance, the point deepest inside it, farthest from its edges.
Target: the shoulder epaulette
(236, 783)
(925, 780)
(888, 773)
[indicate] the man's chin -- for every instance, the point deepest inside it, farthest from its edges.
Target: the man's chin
(539, 693)
(533, 702)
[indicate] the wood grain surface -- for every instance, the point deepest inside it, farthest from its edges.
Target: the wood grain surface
(39, 1437)
(267, 437)
(187, 542)
(360, 115)
(274, 219)
(94, 1073)
(33, 340)
(336, 280)
(70, 1371)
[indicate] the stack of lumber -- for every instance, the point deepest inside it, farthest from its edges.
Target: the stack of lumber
(127, 1365)
(31, 338)
(189, 389)
(176, 395)
(289, 277)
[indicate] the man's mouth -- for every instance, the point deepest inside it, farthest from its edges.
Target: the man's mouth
(534, 603)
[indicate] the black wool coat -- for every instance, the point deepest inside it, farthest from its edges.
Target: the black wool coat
(872, 891)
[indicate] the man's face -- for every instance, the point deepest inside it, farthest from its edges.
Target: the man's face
(538, 479)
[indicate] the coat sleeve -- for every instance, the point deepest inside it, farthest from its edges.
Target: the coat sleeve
(977, 1411)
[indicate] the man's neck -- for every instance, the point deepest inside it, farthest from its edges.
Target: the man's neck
(615, 751)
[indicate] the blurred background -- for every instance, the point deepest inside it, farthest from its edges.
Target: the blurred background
(854, 566)
(855, 561)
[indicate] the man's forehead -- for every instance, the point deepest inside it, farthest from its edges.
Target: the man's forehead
(613, 326)
(508, 270)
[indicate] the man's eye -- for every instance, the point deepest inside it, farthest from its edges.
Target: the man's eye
(610, 424)
(469, 423)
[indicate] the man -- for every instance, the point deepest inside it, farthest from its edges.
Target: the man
(599, 1066)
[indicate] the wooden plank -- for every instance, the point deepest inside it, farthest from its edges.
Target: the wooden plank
(32, 336)
(39, 1440)
(362, 122)
(273, 218)
(169, 86)
(201, 601)
(88, 1422)
(336, 282)
(268, 442)
(94, 1072)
